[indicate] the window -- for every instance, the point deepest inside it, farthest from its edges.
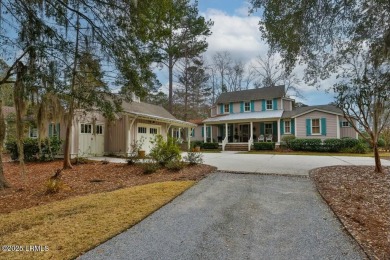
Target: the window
(287, 127)
(269, 105)
(142, 130)
(247, 106)
(345, 124)
(153, 131)
(54, 130)
(315, 126)
(192, 132)
(86, 128)
(33, 132)
(99, 129)
(226, 106)
(268, 129)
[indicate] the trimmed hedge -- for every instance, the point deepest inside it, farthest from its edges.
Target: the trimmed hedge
(329, 145)
(264, 146)
(313, 145)
(209, 145)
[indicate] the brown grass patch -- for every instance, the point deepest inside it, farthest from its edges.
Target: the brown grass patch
(73, 226)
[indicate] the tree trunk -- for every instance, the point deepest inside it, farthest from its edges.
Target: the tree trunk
(378, 164)
(67, 156)
(3, 182)
(170, 74)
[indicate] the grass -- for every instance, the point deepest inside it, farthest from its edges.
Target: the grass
(386, 154)
(71, 227)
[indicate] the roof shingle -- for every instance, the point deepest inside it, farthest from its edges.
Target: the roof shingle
(251, 94)
(302, 110)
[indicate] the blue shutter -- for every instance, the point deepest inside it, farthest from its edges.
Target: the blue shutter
(231, 108)
(275, 104)
(323, 126)
(252, 106)
(341, 123)
(308, 126)
(263, 105)
(292, 124)
(282, 127)
(50, 130)
(242, 107)
(262, 128)
(202, 131)
(221, 109)
(208, 131)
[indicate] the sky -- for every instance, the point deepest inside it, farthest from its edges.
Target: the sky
(237, 32)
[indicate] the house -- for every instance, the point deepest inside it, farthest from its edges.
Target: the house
(240, 118)
(94, 135)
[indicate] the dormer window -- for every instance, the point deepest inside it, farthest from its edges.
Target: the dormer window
(226, 108)
(269, 105)
(247, 106)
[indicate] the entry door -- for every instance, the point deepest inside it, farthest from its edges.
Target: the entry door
(244, 129)
(146, 134)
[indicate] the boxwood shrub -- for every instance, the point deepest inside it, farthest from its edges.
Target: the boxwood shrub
(31, 149)
(210, 145)
(313, 145)
(264, 146)
(333, 145)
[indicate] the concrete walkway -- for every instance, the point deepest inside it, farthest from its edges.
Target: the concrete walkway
(237, 216)
(275, 164)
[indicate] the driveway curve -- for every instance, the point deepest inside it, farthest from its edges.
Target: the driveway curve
(237, 216)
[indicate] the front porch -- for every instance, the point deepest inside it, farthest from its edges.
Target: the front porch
(240, 136)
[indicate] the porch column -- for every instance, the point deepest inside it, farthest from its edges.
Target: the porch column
(211, 134)
(189, 130)
(278, 130)
(172, 132)
(204, 133)
(251, 136)
(226, 130)
(179, 133)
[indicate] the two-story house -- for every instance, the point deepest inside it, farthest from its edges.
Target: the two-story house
(241, 118)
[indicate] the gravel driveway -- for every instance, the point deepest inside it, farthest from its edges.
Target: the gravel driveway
(237, 216)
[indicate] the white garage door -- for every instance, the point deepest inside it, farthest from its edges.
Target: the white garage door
(91, 141)
(146, 133)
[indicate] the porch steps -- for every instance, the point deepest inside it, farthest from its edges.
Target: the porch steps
(236, 147)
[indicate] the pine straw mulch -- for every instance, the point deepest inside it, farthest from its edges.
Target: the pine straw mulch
(92, 177)
(361, 200)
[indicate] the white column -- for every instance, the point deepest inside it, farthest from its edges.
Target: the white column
(189, 130)
(211, 134)
(204, 133)
(172, 132)
(251, 136)
(278, 130)
(226, 130)
(338, 126)
(179, 133)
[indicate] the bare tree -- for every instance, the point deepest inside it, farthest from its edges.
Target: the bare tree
(221, 62)
(235, 76)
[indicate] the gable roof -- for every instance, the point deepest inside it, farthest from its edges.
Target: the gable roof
(304, 110)
(251, 94)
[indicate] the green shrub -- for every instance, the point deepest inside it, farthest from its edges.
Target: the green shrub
(196, 143)
(149, 168)
(314, 144)
(175, 166)
(381, 142)
(349, 142)
(333, 145)
(264, 146)
(164, 152)
(360, 147)
(210, 146)
(194, 158)
(50, 148)
(287, 139)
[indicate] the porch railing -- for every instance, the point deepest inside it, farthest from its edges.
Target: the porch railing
(250, 142)
(224, 142)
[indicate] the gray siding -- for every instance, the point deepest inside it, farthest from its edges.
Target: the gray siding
(287, 105)
(331, 125)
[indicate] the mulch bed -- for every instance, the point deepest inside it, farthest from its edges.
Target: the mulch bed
(93, 177)
(361, 200)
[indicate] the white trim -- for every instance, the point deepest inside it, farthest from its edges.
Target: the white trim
(278, 130)
(320, 125)
(266, 105)
(245, 111)
(315, 109)
(338, 126)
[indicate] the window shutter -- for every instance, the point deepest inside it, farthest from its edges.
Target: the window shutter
(341, 123)
(323, 126)
(252, 106)
(242, 107)
(263, 105)
(231, 108)
(275, 104)
(208, 131)
(221, 109)
(292, 124)
(202, 131)
(308, 126)
(282, 127)
(193, 132)
(50, 130)
(262, 128)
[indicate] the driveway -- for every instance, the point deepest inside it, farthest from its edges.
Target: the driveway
(280, 164)
(237, 216)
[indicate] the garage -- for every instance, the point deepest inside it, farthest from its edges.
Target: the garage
(145, 134)
(91, 140)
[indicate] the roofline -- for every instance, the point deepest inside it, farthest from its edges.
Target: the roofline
(242, 120)
(316, 109)
(162, 119)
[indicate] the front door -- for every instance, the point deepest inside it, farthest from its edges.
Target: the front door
(244, 136)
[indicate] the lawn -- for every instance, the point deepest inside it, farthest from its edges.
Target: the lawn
(276, 152)
(70, 227)
(361, 200)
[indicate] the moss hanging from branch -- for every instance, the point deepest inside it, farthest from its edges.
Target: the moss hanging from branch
(3, 181)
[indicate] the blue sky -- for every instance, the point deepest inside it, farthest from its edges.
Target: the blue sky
(238, 33)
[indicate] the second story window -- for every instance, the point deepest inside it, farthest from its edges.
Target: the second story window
(226, 108)
(345, 124)
(269, 105)
(247, 106)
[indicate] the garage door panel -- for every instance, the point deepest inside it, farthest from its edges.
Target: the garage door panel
(146, 133)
